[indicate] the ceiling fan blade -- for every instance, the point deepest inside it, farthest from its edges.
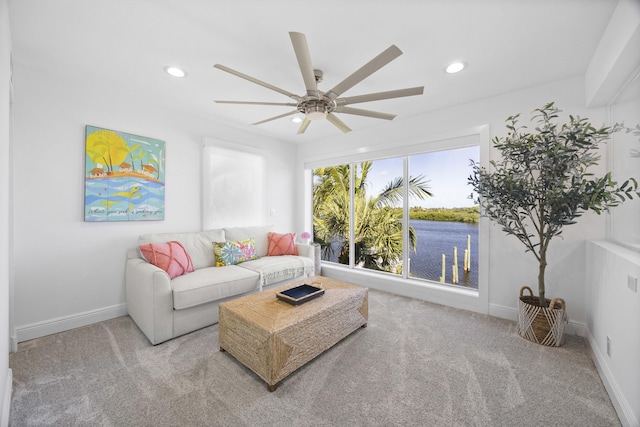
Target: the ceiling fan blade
(289, 104)
(276, 117)
(304, 126)
(303, 55)
(338, 123)
(399, 93)
(256, 81)
(367, 113)
(391, 53)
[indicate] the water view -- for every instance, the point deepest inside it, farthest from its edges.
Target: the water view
(440, 237)
(435, 238)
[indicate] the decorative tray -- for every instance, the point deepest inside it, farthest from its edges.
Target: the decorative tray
(300, 294)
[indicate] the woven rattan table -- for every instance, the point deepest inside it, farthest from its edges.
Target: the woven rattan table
(274, 338)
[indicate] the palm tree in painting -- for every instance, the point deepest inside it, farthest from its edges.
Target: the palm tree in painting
(377, 228)
(140, 157)
(107, 148)
(153, 165)
(130, 151)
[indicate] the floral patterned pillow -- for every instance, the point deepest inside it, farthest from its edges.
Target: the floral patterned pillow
(230, 253)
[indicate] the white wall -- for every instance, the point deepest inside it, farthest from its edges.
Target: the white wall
(613, 308)
(5, 240)
(614, 312)
(616, 57)
(69, 272)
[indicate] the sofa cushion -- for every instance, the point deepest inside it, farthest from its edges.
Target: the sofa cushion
(259, 233)
(169, 256)
(232, 252)
(282, 244)
(197, 244)
(211, 284)
(273, 269)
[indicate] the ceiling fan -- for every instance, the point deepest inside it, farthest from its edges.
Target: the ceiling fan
(319, 105)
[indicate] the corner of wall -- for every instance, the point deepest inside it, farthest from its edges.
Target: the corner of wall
(5, 209)
(615, 62)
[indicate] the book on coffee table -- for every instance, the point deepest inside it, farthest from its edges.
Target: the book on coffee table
(300, 294)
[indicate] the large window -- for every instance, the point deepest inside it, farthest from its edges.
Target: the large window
(412, 216)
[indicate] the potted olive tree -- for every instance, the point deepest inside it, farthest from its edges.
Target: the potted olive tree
(541, 184)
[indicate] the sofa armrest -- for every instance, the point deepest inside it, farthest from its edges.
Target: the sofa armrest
(306, 250)
(133, 253)
(149, 299)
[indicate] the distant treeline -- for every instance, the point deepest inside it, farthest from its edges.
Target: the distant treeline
(468, 215)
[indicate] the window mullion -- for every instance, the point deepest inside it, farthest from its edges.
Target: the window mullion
(352, 218)
(406, 259)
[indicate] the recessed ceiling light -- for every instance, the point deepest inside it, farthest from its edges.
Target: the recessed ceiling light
(296, 120)
(175, 71)
(455, 67)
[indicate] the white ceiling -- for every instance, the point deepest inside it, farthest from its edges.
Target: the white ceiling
(124, 45)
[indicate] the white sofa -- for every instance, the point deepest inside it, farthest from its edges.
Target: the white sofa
(164, 308)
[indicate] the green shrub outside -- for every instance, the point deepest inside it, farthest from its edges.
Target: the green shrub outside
(467, 215)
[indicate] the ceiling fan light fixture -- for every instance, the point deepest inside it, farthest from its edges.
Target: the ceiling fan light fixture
(455, 67)
(314, 116)
(175, 71)
(316, 112)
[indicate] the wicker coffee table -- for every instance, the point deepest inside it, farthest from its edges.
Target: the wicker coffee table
(274, 338)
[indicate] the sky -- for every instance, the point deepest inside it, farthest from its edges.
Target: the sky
(446, 171)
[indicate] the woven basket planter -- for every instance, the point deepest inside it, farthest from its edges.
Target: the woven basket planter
(541, 325)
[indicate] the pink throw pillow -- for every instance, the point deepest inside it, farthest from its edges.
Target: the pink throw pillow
(282, 244)
(170, 256)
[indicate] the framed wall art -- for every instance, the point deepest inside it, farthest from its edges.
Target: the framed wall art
(124, 176)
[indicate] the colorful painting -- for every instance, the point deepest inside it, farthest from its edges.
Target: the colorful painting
(124, 177)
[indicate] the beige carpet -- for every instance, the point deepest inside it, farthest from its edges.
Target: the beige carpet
(416, 364)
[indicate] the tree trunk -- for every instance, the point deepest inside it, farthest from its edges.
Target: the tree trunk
(541, 269)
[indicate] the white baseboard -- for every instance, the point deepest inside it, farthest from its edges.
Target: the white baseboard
(503, 312)
(6, 404)
(61, 324)
(623, 408)
(510, 313)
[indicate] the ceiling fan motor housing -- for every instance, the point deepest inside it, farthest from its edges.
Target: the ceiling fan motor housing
(316, 109)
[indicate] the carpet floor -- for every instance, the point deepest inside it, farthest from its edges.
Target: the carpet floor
(416, 364)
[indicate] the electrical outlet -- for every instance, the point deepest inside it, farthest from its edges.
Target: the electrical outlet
(632, 283)
(609, 347)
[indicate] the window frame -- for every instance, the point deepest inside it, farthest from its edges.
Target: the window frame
(442, 293)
